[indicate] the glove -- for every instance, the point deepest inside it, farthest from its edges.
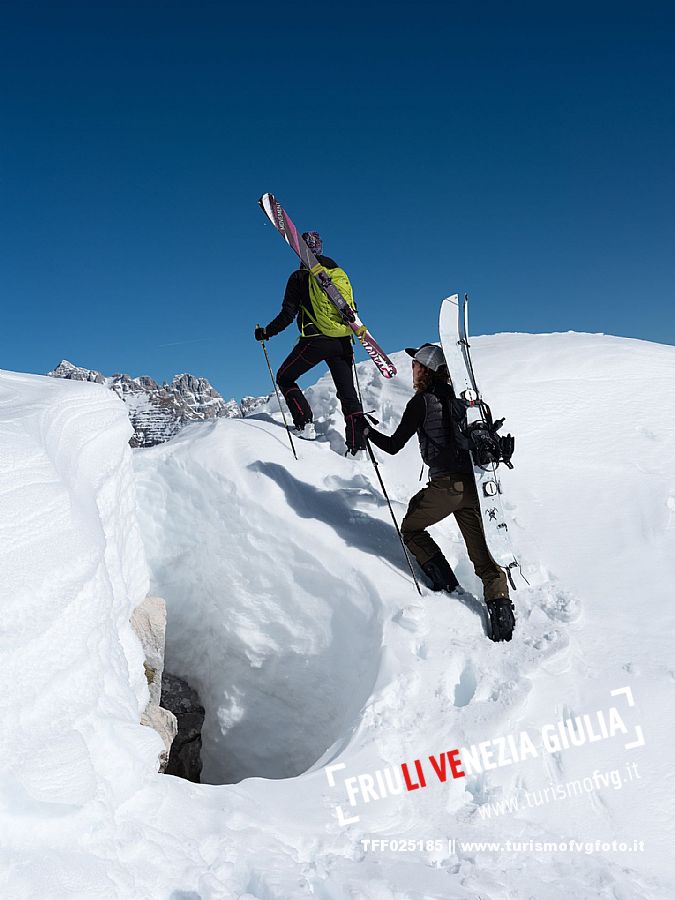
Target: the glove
(260, 334)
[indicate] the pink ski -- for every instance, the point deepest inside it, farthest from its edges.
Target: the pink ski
(282, 222)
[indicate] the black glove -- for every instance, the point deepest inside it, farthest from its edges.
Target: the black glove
(260, 334)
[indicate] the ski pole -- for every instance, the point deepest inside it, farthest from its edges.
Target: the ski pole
(384, 490)
(356, 374)
(276, 391)
(398, 530)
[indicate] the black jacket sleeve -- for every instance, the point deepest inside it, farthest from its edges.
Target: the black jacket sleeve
(293, 297)
(296, 293)
(413, 418)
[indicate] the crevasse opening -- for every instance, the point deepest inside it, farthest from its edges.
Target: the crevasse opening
(282, 648)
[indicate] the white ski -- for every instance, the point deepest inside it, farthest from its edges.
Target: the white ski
(453, 327)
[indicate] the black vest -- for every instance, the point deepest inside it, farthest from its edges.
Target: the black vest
(438, 444)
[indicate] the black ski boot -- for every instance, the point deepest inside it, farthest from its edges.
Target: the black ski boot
(356, 432)
(438, 571)
(502, 620)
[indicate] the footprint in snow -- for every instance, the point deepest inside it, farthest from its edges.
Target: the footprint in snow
(558, 604)
(465, 688)
(422, 650)
(410, 618)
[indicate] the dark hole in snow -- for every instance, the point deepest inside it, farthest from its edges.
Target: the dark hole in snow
(282, 690)
(185, 759)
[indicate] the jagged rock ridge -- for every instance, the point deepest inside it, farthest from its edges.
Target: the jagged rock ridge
(159, 411)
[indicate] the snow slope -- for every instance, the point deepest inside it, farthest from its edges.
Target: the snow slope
(72, 670)
(292, 612)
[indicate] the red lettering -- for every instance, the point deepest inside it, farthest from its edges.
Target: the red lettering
(455, 764)
(406, 777)
(420, 776)
(420, 773)
(438, 769)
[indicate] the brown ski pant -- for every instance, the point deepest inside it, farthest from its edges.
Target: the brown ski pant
(455, 494)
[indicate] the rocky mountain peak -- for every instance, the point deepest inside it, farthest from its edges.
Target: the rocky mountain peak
(158, 412)
(66, 369)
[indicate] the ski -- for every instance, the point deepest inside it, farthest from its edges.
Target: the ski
(282, 222)
(453, 326)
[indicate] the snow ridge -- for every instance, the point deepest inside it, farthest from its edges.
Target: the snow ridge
(291, 610)
(73, 570)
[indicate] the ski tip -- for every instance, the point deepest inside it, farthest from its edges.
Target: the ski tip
(448, 304)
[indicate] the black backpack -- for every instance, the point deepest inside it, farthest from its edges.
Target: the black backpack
(480, 438)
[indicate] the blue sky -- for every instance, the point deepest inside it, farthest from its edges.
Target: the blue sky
(520, 152)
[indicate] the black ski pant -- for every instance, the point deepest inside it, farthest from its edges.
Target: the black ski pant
(339, 354)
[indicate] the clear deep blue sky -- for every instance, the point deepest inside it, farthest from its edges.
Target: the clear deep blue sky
(523, 152)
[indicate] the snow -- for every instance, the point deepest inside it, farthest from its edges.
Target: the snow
(291, 611)
(72, 670)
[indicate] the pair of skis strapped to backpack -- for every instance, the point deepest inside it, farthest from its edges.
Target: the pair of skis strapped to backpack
(282, 222)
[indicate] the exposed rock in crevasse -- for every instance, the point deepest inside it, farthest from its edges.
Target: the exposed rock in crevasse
(149, 623)
(185, 759)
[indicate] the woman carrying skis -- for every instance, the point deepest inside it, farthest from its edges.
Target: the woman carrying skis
(451, 487)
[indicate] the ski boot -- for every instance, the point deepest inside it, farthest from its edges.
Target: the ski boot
(306, 433)
(355, 433)
(502, 620)
(438, 571)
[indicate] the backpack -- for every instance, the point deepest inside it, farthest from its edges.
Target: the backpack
(322, 313)
(480, 438)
